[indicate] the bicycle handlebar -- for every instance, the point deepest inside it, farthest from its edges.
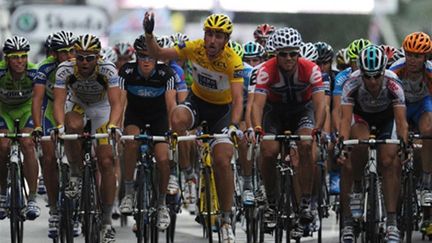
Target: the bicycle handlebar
(288, 137)
(201, 137)
(15, 135)
(80, 136)
(143, 137)
(370, 141)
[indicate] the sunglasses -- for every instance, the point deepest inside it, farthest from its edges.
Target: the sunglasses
(143, 57)
(288, 53)
(376, 76)
(17, 55)
(88, 58)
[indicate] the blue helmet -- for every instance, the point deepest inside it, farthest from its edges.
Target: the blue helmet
(253, 49)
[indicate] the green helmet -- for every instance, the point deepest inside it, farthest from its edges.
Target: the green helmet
(355, 47)
(237, 48)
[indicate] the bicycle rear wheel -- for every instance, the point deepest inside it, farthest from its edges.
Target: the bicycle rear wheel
(66, 209)
(89, 210)
(16, 205)
(409, 201)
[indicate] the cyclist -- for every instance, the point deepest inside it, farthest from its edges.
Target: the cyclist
(376, 96)
(47, 46)
(216, 97)
(62, 46)
(415, 72)
(342, 59)
(263, 32)
(16, 76)
(94, 92)
(125, 53)
(282, 80)
(151, 96)
(254, 53)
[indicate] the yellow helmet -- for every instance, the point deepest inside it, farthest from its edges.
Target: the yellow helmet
(88, 42)
(219, 22)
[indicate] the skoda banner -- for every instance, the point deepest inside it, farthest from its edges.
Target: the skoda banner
(36, 22)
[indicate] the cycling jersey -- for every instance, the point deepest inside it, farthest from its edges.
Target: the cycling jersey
(212, 78)
(295, 90)
(391, 95)
(16, 92)
(46, 75)
(146, 97)
(340, 79)
(246, 74)
(88, 90)
(415, 90)
(180, 84)
(15, 97)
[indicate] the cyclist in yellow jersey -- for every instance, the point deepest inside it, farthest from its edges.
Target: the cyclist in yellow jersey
(217, 96)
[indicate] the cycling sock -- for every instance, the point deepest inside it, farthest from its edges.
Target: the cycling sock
(391, 219)
(129, 187)
(247, 182)
(106, 216)
(162, 199)
(226, 217)
(427, 181)
(32, 196)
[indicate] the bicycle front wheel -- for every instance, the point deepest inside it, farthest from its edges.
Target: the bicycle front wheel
(208, 204)
(89, 208)
(16, 205)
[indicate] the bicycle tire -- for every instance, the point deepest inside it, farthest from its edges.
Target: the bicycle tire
(173, 205)
(321, 196)
(66, 209)
(251, 216)
(87, 207)
(371, 228)
(139, 214)
(16, 205)
(408, 207)
(208, 218)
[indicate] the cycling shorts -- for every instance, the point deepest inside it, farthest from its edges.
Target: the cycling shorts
(158, 124)
(48, 122)
(416, 109)
(385, 129)
(217, 116)
(277, 118)
(98, 113)
(8, 114)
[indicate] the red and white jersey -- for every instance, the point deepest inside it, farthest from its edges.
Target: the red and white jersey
(296, 89)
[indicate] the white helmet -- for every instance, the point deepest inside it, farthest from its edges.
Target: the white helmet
(164, 41)
(286, 37)
(109, 54)
(309, 51)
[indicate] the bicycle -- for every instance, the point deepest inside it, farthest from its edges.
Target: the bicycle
(208, 202)
(16, 184)
(409, 207)
(146, 190)
(66, 202)
(372, 229)
(89, 204)
(286, 205)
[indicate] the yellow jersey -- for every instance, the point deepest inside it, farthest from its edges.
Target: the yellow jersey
(212, 78)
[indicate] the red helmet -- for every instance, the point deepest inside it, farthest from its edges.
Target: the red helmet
(264, 31)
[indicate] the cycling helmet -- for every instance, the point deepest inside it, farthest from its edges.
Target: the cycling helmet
(109, 54)
(342, 57)
(219, 22)
(269, 48)
(88, 42)
(372, 60)
(398, 54)
(253, 49)
(263, 31)
(140, 43)
(236, 47)
(388, 50)
(164, 41)
(179, 37)
(417, 42)
(123, 49)
(286, 37)
(309, 51)
(356, 46)
(47, 43)
(16, 44)
(62, 39)
(325, 52)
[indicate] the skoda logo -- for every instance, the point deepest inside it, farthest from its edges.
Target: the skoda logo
(26, 22)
